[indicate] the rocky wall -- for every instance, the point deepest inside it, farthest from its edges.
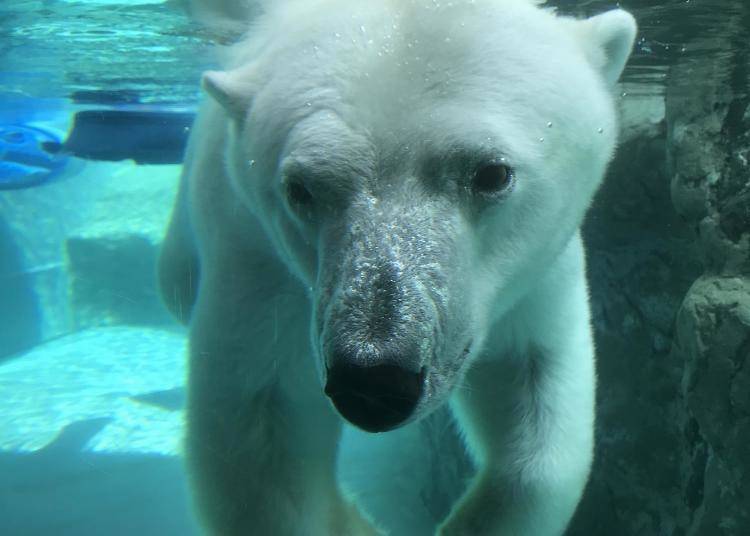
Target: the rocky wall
(709, 153)
(669, 263)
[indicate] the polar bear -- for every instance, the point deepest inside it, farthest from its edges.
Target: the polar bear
(379, 214)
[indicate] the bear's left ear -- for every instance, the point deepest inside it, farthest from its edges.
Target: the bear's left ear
(608, 40)
(232, 89)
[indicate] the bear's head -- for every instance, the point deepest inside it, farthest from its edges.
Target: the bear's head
(418, 166)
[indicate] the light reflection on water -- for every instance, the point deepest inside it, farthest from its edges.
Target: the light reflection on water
(52, 49)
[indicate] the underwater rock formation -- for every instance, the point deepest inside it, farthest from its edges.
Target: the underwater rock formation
(641, 264)
(111, 280)
(713, 336)
(87, 248)
(669, 260)
(709, 153)
(111, 259)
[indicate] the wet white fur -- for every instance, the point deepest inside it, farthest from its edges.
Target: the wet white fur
(263, 438)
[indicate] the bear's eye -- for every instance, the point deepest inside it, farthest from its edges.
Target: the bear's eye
(297, 193)
(492, 179)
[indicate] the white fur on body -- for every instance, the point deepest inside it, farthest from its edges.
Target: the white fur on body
(355, 90)
(527, 410)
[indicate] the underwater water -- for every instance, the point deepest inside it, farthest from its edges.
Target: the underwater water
(96, 102)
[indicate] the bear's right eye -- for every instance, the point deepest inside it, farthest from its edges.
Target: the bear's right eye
(298, 194)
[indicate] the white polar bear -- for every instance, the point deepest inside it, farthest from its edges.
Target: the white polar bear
(381, 204)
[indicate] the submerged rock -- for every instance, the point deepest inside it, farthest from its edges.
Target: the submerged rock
(713, 337)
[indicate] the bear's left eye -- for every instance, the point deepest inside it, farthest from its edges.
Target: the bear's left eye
(492, 179)
(297, 193)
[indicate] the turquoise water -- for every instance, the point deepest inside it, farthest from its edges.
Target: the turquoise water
(91, 366)
(90, 434)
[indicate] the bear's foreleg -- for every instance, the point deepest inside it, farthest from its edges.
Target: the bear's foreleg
(531, 477)
(528, 413)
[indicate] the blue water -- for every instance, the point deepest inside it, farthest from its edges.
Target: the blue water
(91, 369)
(91, 425)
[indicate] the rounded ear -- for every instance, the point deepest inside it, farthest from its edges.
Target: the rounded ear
(231, 89)
(608, 40)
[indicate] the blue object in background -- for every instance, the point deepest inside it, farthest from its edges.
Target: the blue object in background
(29, 156)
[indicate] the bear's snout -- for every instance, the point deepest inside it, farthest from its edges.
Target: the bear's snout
(374, 398)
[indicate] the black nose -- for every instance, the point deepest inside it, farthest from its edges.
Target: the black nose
(374, 398)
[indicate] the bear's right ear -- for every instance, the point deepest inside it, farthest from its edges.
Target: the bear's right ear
(232, 89)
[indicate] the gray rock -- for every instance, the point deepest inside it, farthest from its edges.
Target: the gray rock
(112, 281)
(713, 336)
(669, 264)
(86, 246)
(111, 257)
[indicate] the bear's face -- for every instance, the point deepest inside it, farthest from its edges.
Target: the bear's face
(417, 176)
